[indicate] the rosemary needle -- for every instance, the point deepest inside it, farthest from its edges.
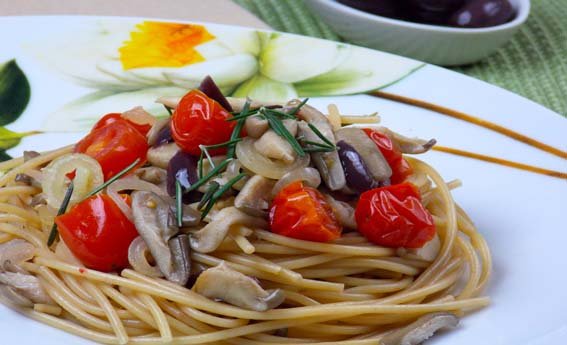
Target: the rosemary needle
(62, 209)
(216, 195)
(113, 178)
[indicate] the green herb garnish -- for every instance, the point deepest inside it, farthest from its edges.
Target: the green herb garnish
(62, 209)
(113, 178)
(169, 110)
(296, 109)
(238, 128)
(277, 126)
(213, 187)
(321, 136)
(219, 193)
(207, 177)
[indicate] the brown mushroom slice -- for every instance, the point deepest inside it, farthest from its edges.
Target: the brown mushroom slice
(420, 330)
(343, 211)
(161, 155)
(154, 175)
(408, 145)
(13, 252)
(154, 133)
(211, 236)
(328, 163)
(26, 285)
(276, 147)
(377, 165)
(139, 116)
(255, 126)
(254, 196)
(154, 222)
(181, 254)
(225, 284)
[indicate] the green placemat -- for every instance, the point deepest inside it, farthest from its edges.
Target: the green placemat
(533, 64)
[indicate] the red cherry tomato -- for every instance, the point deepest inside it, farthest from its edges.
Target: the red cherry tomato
(97, 233)
(199, 120)
(301, 212)
(394, 216)
(107, 119)
(400, 167)
(114, 146)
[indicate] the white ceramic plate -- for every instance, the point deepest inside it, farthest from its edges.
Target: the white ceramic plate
(81, 67)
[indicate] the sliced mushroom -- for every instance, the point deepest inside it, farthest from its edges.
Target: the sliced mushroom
(155, 175)
(27, 180)
(169, 101)
(211, 236)
(139, 116)
(225, 284)
(160, 133)
(254, 198)
(420, 330)
(154, 222)
(408, 145)
(276, 147)
(161, 155)
(13, 252)
(26, 285)
(30, 155)
(343, 211)
(255, 126)
(181, 253)
(377, 165)
(328, 163)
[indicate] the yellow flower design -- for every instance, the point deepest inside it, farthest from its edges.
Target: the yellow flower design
(159, 44)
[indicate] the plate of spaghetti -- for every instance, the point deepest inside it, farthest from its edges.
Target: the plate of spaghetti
(180, 183)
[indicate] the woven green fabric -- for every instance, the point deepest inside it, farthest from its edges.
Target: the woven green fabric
(533, 64)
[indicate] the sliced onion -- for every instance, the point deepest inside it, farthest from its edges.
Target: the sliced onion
(15, 251)
(130, 183)
(252, 160)
(138, 253)
(54, 184)
(308, 175)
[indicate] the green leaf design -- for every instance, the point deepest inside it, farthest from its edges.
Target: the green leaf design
(265, 89)
(14, 92)
(4, 156)
(9, 139)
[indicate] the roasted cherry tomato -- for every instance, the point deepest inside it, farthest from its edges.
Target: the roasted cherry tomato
(301, 212)
(97, 233)
(394, 216)
(199, 120)
(114, 146)
(113, 117)
(400, 167)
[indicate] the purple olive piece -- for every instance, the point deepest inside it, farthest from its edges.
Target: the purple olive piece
(182, 167)
(210, 88)
(386, 8)
(482, 13)
(431, 11)
(164, 136)
(356, 172)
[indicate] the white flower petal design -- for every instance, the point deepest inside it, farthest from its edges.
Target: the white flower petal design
(227, 72)
(261, 88)
(361, 71)
(291, 59)
(81, 114)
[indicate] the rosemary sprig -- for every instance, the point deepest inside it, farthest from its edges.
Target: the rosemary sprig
(169, 110)
(246, 112)
(280, 113)
(219, 193)
(205, 152)
(207, 177)
(277, 125)
(179, 202)
(213, 187)
(320, 135)
(113, 178)
(66, 199)
(238, 128)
